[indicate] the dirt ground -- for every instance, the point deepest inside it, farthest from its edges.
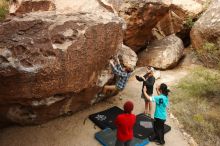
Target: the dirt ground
(78, 130)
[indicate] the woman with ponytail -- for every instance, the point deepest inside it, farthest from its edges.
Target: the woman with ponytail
(160, 114)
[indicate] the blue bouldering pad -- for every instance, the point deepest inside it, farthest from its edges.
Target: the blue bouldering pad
(107, 137)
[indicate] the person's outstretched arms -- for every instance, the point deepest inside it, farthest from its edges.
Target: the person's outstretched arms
(117, 69)
(140, 79)
(145, 76)
(117, 59)
(118, 65)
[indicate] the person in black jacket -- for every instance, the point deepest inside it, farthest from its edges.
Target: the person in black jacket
(148, 80)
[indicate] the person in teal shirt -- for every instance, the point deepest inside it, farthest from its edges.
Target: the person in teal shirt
(160, 114)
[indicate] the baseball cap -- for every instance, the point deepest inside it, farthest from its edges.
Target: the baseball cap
(128, 106)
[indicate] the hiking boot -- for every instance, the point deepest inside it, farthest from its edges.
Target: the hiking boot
(152, 138)
(158, 142)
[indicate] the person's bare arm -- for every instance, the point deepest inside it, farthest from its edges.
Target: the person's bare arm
(145, 93)
(117, 60)
(143, 78)
(157, 89)
(112, 63)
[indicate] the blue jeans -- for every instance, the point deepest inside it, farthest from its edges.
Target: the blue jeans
(120, 143)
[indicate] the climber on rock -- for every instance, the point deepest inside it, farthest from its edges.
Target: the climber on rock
(122, 76)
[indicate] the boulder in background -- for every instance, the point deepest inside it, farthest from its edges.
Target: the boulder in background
(162, 54)
(205, 35)
(179, 20)
(141, 17)
(129, 57)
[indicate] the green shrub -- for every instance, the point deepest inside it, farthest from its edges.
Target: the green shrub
(3, 9)
(210, 54)
(195, 101)
(189, 22)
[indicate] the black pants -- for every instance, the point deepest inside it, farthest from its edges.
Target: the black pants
(159, 130)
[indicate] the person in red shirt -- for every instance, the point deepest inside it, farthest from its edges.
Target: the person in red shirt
(125, 123)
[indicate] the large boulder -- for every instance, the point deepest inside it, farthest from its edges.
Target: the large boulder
(50, 64)
(27, 6)
(162, 54)
(180, 19)
(141, 16)
(129, 57)
(205, 35)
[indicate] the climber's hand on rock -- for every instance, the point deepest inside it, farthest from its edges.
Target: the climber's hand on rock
(111, 61)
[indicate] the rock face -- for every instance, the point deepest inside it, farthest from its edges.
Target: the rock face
(26, 6)
(67, 6)
(179, 19)
(148, 20)
(85, 6)
(49, 64)
(162, 54)
(115, 4)
(205, 35)
(141, 16)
